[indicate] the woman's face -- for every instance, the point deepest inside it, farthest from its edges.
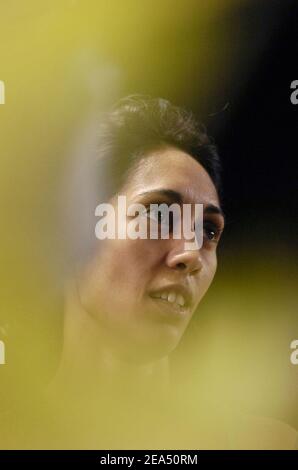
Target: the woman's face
(142, 293)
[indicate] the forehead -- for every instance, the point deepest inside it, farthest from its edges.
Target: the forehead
(171, 168)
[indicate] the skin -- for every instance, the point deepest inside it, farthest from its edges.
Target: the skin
(110, 314)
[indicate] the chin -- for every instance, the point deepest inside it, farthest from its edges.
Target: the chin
(154, 346)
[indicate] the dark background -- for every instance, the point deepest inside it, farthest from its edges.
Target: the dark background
(248, 112)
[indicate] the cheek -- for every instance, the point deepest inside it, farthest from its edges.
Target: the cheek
(211, 262)
(131, 262)
(209, 269)
(119, 273)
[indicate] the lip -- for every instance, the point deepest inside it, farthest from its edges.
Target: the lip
(172, 309)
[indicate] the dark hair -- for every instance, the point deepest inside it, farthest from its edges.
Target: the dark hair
(137, 124)
(134, 126)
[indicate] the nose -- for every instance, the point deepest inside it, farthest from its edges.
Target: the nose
(188, 261)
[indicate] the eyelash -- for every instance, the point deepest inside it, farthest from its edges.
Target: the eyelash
(214, 228)
(209, 227)
(159, 214)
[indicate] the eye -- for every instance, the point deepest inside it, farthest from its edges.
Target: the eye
(160, 215)
(155, 214)
(212, 232)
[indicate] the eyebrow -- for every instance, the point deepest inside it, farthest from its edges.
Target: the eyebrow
(212, 209)
(175, 196)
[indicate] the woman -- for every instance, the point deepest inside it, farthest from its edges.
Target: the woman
(130, 300)
(127, 292)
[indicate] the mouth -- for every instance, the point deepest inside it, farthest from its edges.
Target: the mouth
(175, 300)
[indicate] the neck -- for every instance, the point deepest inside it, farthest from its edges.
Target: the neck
(88, 365)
